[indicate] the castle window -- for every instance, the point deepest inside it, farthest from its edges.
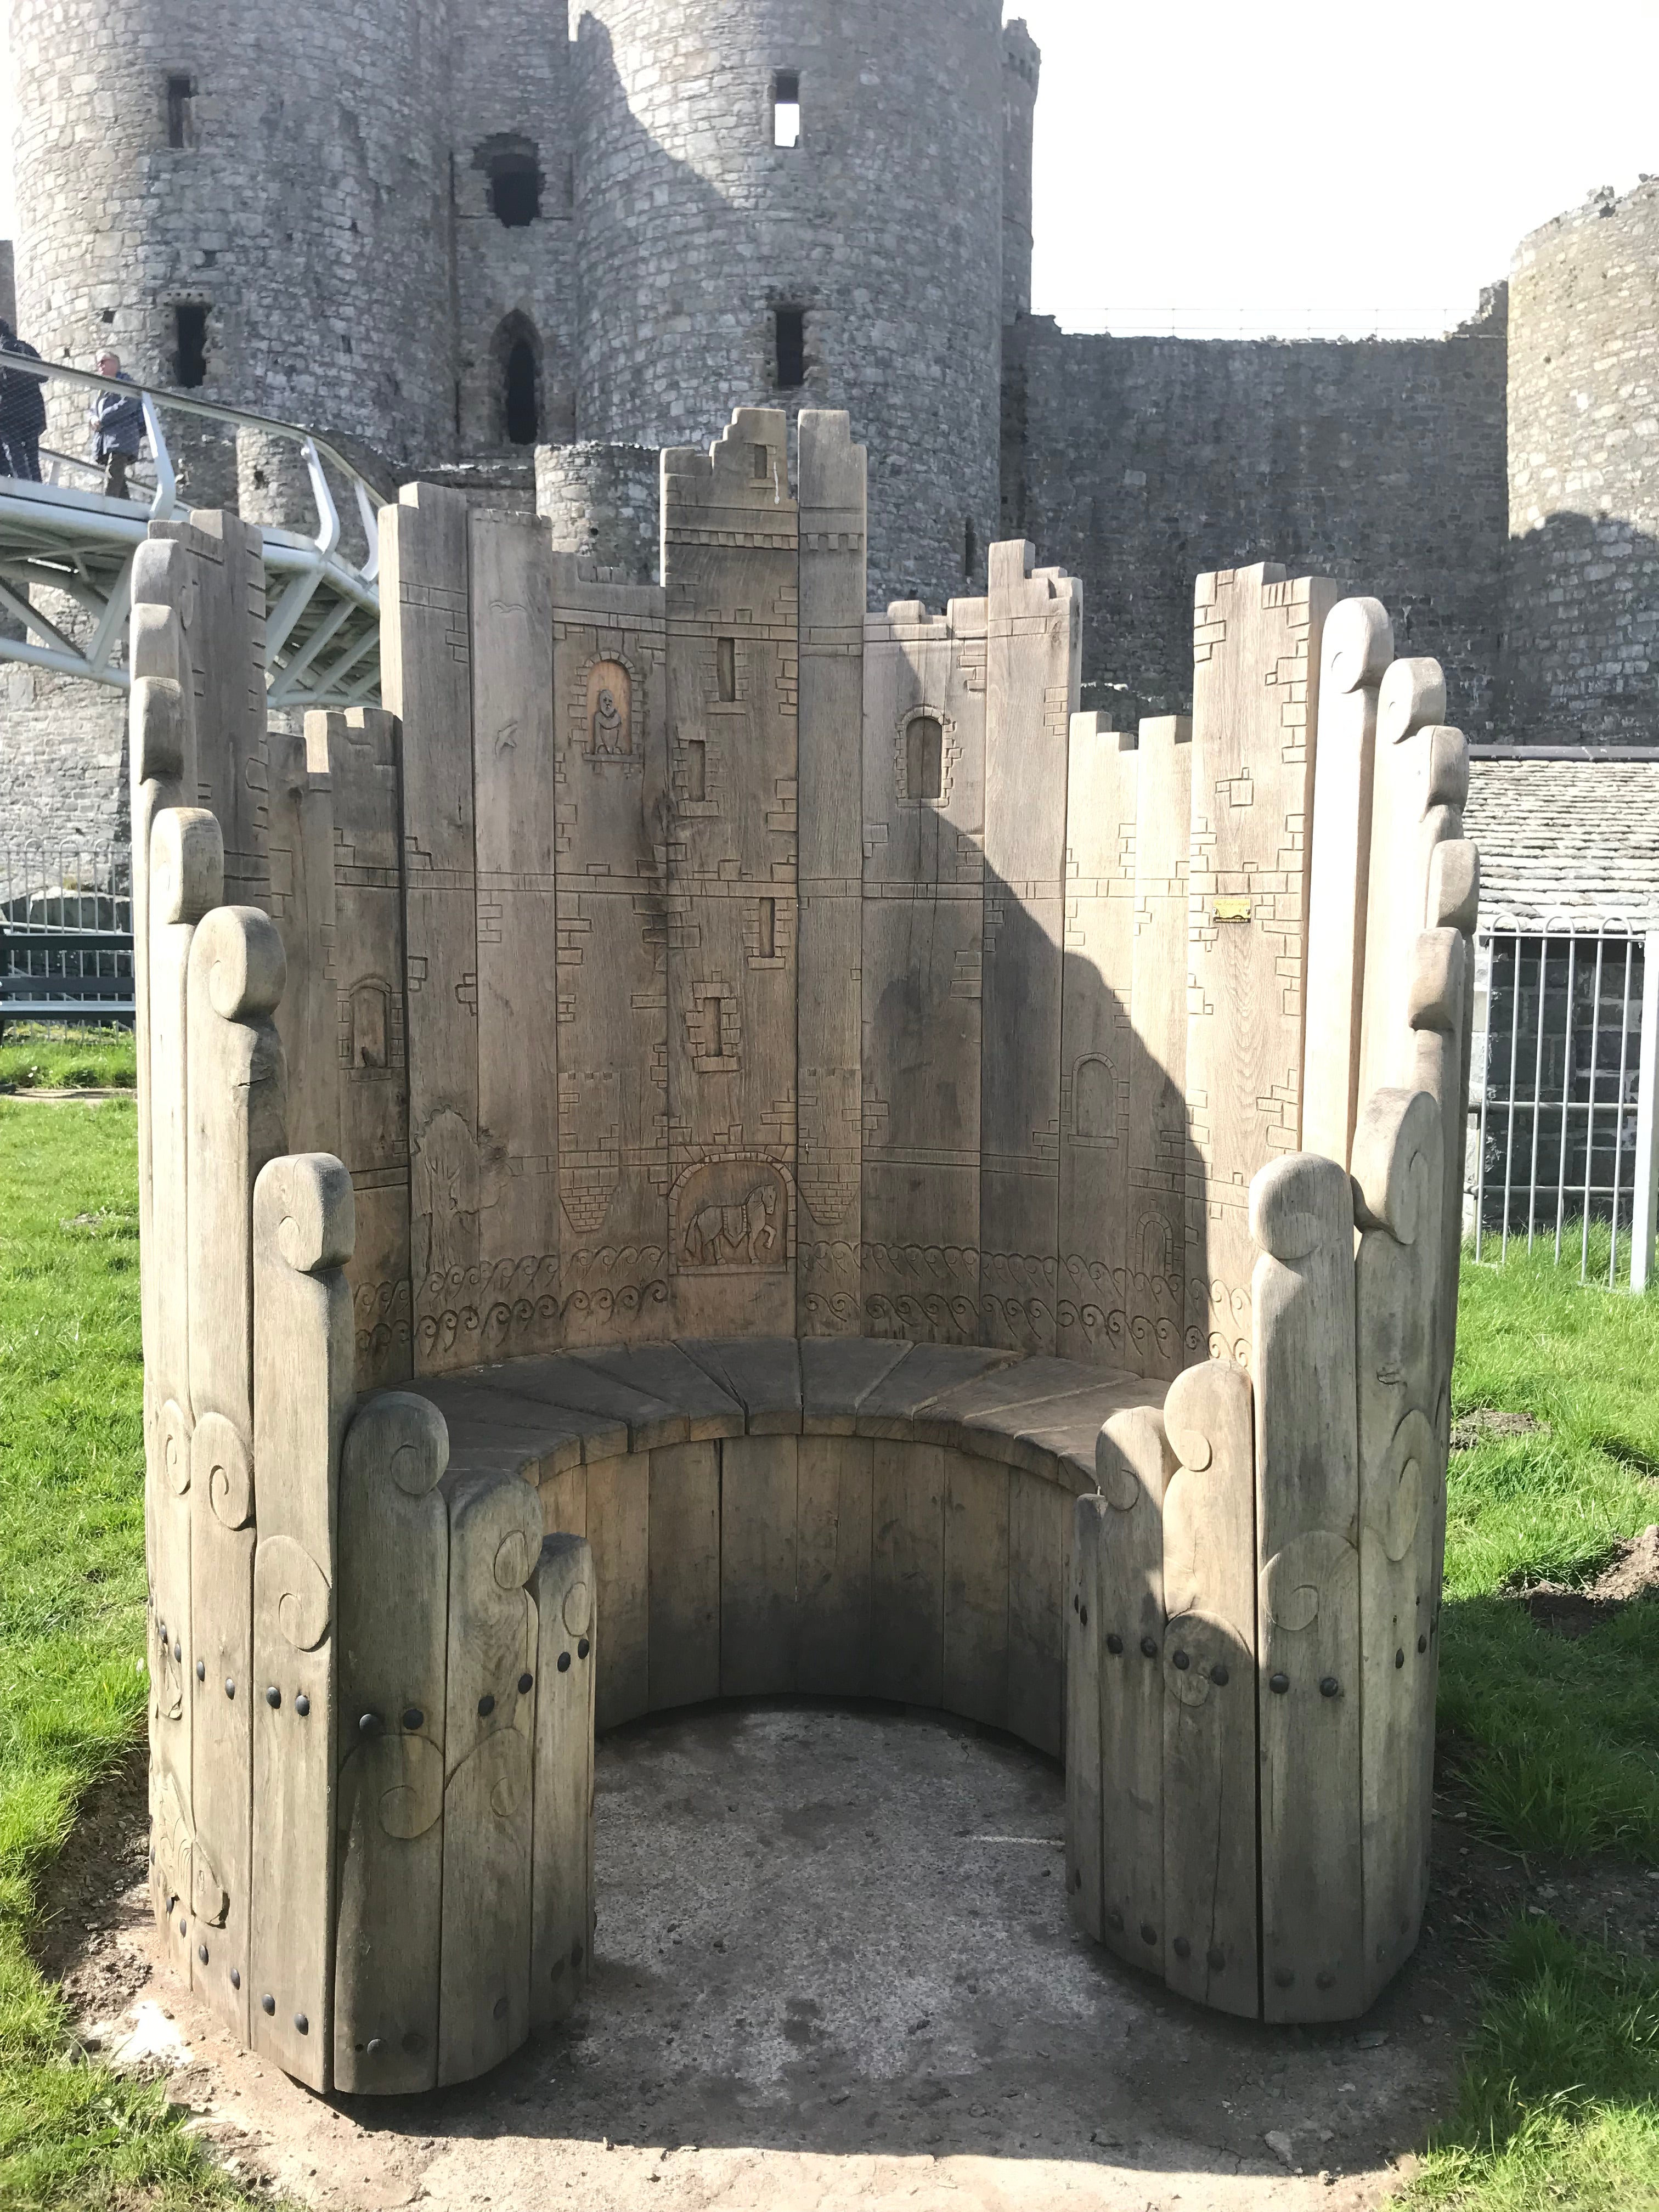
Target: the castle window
(514, 169)
(521, 393)
(786, 108)
(181, 90)
(924, 763)
(190, 343)
(790, 336)
(725, 668)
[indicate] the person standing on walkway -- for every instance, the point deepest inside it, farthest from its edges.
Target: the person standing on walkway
(117, 426)
(22, 411)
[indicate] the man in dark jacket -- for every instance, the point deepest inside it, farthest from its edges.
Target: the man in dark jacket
(118, 425)
(22, 411)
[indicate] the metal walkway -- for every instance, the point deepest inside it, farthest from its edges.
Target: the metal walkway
(322, 609)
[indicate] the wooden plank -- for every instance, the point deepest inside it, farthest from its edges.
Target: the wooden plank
(227, 637)
(562, 1917)
(618, 1528)
(484, 1999)
(838, 1374)
(685, 1575)
(1308, 1602)
(929, 1372)
(371, 1018)
(573, 1384)
(829, 1106)
(393, 1640)
(757, 1566)
(1154, 1332)
(186, 879)
(665, 1372)
(731, 579)
(1256, 645)
(907, 1572)
(564, 1501)
(234, 1126)
(1356, 650)
(1134, 1463)
(1034, 618)
(426, 679)
(763, 1373)
(1086, 1692)
(834, 1499)
(302, 1396)
(1096, 1039)
(300, 839)
(1397, 1165)
(479, 1408)
(511, 563)
(611, 771)
(1421, 780)
(923, 929)
(1038, 1510)
(1212, 1949)
(975, 1644)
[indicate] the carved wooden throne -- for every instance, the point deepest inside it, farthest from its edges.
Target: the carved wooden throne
(724, 1145)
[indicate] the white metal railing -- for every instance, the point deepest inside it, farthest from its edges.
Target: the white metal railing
(323, 607)
(1562, 1090)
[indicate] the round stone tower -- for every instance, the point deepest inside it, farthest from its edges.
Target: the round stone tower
(248, 202)
(1582, 645)
(785, 203)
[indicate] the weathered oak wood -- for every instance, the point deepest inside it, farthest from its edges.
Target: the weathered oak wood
(618, 1528)
(1308, 1637)
(757, 1566)
(763, 1373)
(302, 1393)
(1397, 1166)
(371, 1016)
(393, 1636)
(561, 1912)
(1135, 1463)
(1085, 1689)
(835, 1489)
(685, 1575)
(1153, 1333)
(494, 1543)
(300, 833)
(907, 1577)
(236, 1126)
(1097, 1040)
(976, 1538)
(1256, 645)
(1357, 648)
(1211, 1950)
(1039, 1521)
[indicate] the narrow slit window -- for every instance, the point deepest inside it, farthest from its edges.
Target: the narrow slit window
(766, 937)
(181, 90)
(726, 669)
(763, 463)
(925, 759)
(786, 108)
(523, 413)
(790, 348)
(696, 769)
(189, 345)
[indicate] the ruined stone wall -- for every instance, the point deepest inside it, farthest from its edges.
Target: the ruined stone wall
(1582, 656)
(1138, 463)
(603, 502)
(883, 224)
(63, 745)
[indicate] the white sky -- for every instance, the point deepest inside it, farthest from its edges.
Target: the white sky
(1205, 165)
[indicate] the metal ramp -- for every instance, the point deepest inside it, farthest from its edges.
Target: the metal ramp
(322, 608)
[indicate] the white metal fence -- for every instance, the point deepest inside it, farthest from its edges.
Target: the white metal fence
(65, 933)
(1562, 1085)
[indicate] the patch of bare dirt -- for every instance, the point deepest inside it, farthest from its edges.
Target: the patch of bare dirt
(1631, 1574)
(1489, 1421)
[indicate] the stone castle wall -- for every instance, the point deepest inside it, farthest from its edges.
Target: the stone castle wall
(1137, 463)
(1582, 663)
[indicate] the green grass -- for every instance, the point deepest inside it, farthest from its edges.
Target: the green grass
(1559, 2101)
(71, 1611)
(1565, 1732)
(58, 1056)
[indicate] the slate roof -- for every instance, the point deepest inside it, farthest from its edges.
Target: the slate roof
(1566, 838)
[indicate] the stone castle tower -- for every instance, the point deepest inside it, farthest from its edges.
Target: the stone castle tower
(455, 233)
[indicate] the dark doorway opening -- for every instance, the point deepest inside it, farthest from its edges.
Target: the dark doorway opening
(190, 343)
